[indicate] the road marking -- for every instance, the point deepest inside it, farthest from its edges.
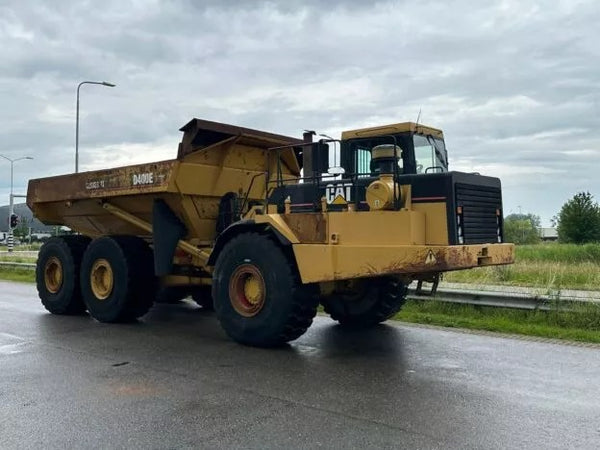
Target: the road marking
(8, 346)
(11, 336)
(11, 349)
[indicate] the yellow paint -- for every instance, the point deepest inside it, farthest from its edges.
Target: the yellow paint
(380, 193)
(339, 245)
(319, 263)
(53, 275)
(436, 225)
(392, 129)
(378, 227)
(253, 290)
(277, 222)
(101, 279)
(339, 200)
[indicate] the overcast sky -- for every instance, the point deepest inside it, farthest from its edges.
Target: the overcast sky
(515, 85)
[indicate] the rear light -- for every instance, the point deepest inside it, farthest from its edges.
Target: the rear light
(459, 223)
(498, 230)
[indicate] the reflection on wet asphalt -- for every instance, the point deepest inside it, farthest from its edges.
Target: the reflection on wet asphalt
(175, 380)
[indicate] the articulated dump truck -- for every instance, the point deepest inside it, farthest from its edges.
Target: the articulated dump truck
(265, 227)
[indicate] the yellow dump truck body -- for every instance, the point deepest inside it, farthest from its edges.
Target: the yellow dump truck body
(235, 212)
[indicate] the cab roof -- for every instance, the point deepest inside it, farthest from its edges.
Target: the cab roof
(392, 129)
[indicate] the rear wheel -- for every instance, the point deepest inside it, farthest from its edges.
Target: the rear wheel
(57, 274)
(363, 303)
(117, 278)
(257, 294)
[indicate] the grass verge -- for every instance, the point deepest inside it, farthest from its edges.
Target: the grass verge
(550, 267)
(19, 259)
(17, 274)
(582, 324)
(547, 275)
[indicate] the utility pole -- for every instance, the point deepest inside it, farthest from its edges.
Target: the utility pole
(101, 83)
(11, 207)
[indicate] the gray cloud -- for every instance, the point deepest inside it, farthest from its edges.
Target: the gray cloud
(513, 84)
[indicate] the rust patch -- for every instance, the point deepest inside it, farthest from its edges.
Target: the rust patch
(310, 228)
(448, 259)
(138, 179)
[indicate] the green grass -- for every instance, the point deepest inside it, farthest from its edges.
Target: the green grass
(580, 325)
(19, 259)
(23, 247)
(546, 266)
(17, 274)
(560, 253)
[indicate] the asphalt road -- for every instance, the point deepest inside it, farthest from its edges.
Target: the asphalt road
(174, 380)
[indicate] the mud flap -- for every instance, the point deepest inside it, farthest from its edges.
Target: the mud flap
(167, 230)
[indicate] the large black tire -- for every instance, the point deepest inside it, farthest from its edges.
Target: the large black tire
(366, 302)
(117, 278)
(203, 297)
(258, 296)
(57, 274)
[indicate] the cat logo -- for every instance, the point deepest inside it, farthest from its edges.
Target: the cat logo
(338, 194)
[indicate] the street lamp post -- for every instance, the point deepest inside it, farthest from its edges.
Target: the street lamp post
(12, 196)
(102, 83)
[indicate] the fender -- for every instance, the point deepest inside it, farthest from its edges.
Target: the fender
(239, 227)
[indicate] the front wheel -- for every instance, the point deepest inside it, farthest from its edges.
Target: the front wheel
(363, 303)
(257, 294)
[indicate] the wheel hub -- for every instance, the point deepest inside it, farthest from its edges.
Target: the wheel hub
(53, 274)
(247, 290)
(101, 279)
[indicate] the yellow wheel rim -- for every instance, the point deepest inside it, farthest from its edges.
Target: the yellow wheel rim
(253, 290)
(247, 291)
(101, 279)
(53, 274)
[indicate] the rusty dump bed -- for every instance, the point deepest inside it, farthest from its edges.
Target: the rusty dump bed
(213, 159)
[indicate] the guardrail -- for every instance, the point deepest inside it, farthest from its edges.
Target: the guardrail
(507, 299)
(17, 264)
(512, 300)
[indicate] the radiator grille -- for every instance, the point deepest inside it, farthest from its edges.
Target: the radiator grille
(479, 205)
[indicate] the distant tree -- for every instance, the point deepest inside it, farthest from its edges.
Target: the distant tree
(578, 221)
(522, 228)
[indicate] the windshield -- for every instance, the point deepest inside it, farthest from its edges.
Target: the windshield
(430, 154)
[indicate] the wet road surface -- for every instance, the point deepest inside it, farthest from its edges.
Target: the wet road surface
(174, 380)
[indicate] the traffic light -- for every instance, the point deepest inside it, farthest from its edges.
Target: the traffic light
(14, 220)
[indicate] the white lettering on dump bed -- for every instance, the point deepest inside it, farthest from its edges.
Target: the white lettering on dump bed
(143, 178)
(95, 184)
